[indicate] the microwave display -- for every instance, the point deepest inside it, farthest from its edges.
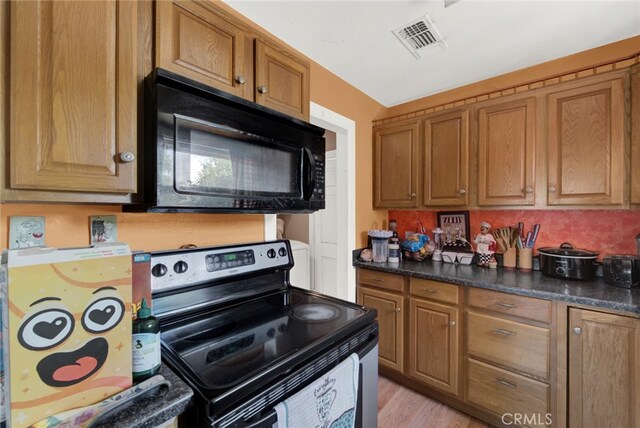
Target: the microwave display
(221, 161)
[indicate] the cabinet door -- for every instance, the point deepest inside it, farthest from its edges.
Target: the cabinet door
(282, 81)
(395, 169)
(586, 144)
(446, 159)
(604, 370)
(433, 344)
(389, 307)
(73, 96)
(196, 42)
(635, 135)
(506, 153)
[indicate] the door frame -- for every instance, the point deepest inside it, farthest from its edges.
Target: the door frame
(345, 130)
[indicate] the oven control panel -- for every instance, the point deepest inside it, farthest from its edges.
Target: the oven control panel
(180, 268)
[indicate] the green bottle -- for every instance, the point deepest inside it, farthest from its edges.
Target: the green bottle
(146, 344)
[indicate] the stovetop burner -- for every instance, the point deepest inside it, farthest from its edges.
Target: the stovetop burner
(315, 312)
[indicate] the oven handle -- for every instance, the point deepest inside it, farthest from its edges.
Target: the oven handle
(308, 172)
(267, 420)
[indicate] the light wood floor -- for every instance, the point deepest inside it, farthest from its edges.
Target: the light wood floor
(400, 407)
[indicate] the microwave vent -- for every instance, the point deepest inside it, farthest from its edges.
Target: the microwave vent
(419, 35)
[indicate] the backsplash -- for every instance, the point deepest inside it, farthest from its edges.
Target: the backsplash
(604, 231)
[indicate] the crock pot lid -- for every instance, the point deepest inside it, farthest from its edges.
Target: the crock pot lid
(570, 252)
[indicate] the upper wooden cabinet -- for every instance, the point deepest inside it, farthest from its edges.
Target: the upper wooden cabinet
(635, 135)
(73, 97)
(446, 159)
(585, 137)
(506, 144)
(197, 40)
(395, 167)
(604, 365)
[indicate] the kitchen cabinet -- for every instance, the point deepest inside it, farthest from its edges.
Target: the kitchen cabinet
(384, 297)
(509, 348)
(585, 137)
(604, 365)
(199, 40)
(506, 146)
(395, 170)
(446, 159)
(72, 100)
(635, 134)
(434, 334)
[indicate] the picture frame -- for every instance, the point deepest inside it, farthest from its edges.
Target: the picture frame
(455, 226)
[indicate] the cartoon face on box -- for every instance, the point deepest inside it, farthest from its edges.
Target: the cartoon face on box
(70, 335)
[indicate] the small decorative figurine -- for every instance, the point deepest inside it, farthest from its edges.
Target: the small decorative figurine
(486, 245)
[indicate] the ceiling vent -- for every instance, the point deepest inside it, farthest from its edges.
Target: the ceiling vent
(419, 36)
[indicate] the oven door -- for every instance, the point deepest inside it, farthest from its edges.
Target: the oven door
(249, 414)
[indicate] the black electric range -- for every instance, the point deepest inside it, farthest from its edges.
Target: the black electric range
(243, 337)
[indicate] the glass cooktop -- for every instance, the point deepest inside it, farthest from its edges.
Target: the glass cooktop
(226, 347)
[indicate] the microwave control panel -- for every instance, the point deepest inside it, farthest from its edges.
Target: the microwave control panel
(318, 191)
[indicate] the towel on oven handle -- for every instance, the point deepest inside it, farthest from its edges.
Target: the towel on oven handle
(330, 401)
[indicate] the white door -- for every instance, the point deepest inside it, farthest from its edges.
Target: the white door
(325, 232)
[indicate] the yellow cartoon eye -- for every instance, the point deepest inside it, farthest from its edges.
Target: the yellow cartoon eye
(102, 315)
(46, 329)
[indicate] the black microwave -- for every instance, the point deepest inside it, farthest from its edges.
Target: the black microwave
(210, 151)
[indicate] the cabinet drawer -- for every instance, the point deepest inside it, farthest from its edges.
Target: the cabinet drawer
(388, 281)
(524, 307)
(523, 347)
(434, 290)
(500, 391)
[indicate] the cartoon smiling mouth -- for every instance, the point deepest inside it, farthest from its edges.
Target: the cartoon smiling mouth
(69, 368)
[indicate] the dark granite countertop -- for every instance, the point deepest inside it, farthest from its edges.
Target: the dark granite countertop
(152, 409)
(534, 284)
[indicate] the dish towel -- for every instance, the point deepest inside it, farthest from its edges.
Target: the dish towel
(329, 402)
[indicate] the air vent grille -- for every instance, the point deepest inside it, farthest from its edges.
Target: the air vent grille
(418, 35)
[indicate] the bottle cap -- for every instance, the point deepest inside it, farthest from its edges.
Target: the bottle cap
(144, 311)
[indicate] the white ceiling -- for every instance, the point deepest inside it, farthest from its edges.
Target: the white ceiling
(353, 39)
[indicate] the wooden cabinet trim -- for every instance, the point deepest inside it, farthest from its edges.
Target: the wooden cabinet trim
(635, 135)
(521, 175)
(436, 190)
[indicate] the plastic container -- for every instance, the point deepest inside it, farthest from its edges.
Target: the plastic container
(394, 253)
(146, 344)
(380, 247)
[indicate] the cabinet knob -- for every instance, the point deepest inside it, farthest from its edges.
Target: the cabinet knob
(452, 323)
(241, 80)
(552, 189)
(529, 190)
(413, 195)
(577, 330)
(263, 89)
(126, 157)
(462, 191)
(397, 309)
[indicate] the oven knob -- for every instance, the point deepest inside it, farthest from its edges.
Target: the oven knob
(180, 267)
(271, 253)
(271, 332)
(282, 251)
(159, 270)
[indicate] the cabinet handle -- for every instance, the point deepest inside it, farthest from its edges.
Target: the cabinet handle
(506, 305)
(377, 279)
(529, 190)
(126, 157)
(413, 195)
(462, 191)
(452, 323)
(577, 330)
(505, 383)
(241, 80)
(552, 189)
(504, 332)
(430, 290)
(263, 89)
(397, 309)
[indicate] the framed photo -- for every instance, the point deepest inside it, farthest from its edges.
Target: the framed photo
(104, 228)
(25, 232)
(454, 225)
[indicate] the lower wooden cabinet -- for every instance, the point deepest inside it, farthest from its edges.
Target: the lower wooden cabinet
(604, 366)
(391, 325)
(434, 331)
